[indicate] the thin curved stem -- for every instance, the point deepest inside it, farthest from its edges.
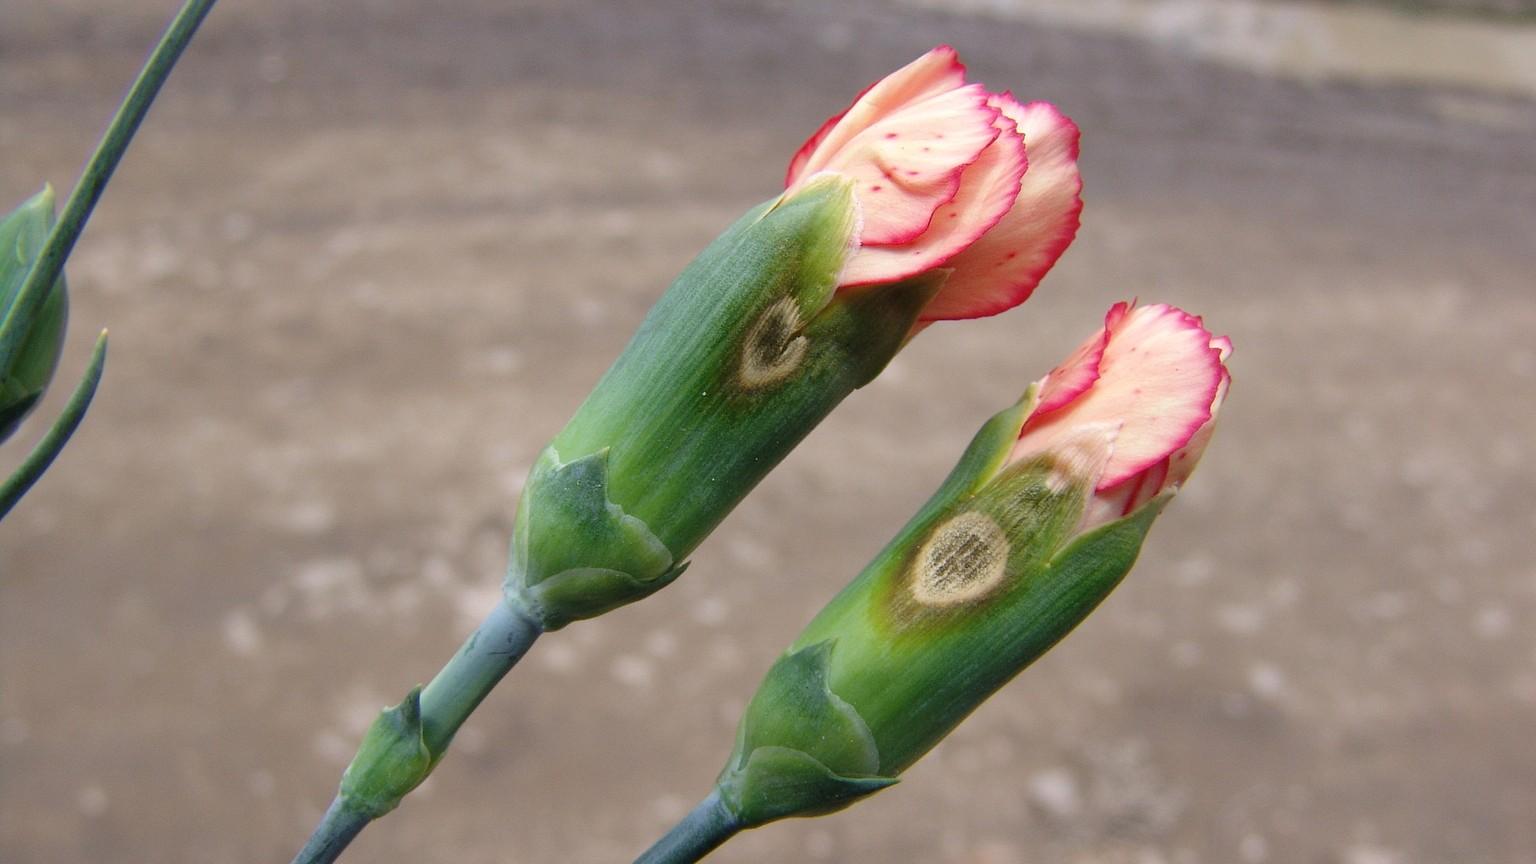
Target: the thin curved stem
(93, 181)
(701, 832)
(48, 449)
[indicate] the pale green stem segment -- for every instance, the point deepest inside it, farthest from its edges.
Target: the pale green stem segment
(485, 658)
(502, 640)
(48, 449)
(61, 240)
(701, 832)
(340, 825)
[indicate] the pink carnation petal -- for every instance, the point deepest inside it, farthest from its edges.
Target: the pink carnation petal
(908, 165)
(1145, 486)
(1117, 313)
(1078, 372)
(1182, 463)
(987, 190)
(1001, 270)
(933, 73)
(1159, 375)
(803, 155)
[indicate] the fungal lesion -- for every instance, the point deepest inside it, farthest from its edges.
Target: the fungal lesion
(964, 558)
(774, 347)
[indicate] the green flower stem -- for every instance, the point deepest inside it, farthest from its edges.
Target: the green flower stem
(337, 829)
(61, 240)
(48, 449)
(495, 647)
(501, 640)
(701, 832)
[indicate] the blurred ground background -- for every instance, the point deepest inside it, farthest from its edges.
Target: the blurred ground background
(367, 256)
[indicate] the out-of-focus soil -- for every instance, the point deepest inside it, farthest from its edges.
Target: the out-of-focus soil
(366, 257)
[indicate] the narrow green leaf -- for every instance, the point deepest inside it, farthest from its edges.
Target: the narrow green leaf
(48, 449)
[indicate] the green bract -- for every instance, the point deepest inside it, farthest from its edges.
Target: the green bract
(747, 351)
(392, 760)
(985, 579)
(26, 376)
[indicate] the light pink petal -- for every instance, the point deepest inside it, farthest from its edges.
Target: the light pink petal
(987, 190)
(1223, 346)
(1078, 372)
(1159, 375)
(933, 73)
(1182, 463)
(909, 164)
(1000, 270)
(1117, 313)
(1145, 486)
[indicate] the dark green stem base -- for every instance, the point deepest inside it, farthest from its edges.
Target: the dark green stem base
(701, 832)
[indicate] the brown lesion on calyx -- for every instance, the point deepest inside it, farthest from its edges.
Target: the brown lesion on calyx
(774, 346)
(964, 558)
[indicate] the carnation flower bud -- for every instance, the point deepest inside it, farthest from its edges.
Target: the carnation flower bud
(929, 198)
(27, 375)
(739, 360)
(805, 299)
(1041, 519)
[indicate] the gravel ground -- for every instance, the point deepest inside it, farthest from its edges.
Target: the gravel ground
(367, 257)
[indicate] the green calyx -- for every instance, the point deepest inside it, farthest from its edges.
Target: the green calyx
(575, 553)
(983, 458)
(747, 351)
(934, 627)
(392, 760)
(986, 577)
(27, 375)
(801, 750)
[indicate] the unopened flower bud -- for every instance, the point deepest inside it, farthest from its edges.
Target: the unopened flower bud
(27, 375)
(929, 198)
(1041, 519)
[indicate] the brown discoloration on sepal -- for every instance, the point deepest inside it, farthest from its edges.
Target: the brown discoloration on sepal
(963, 559)
(774, 347)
